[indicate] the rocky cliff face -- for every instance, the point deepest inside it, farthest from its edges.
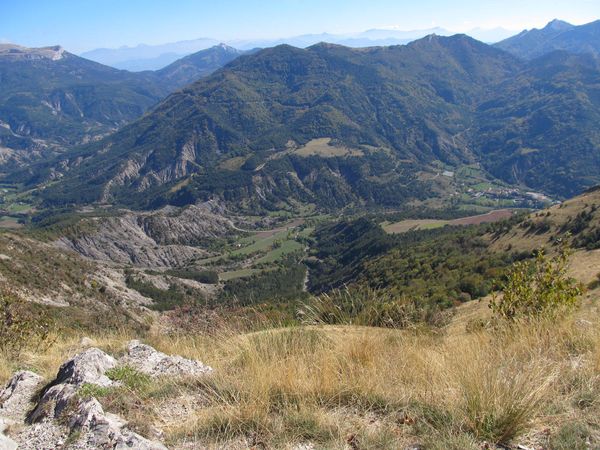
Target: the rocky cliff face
(169, 237)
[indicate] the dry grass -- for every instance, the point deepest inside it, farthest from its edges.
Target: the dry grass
(47, 362)
(360, 387)
(324, 384)
(555, 216)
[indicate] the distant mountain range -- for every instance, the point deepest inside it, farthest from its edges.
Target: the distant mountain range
(334, 126)
(148, 57)
(153, 57)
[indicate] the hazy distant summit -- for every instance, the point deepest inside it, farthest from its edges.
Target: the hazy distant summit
(197, 65)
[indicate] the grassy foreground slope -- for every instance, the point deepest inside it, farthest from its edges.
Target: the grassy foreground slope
(340, 387)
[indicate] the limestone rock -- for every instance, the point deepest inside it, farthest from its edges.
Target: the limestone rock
(55, 400)
(16, 397)
(43, 435)
(7, 443)
(152, 362)
(89, 366)
(102, 430)
(61, 413)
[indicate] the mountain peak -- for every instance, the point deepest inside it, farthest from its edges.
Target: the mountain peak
(446, 40)
(325, 45)
(558, 25)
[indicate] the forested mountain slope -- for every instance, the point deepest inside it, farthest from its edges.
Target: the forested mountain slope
(382, 115)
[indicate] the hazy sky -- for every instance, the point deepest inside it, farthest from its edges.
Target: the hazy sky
(82, 25)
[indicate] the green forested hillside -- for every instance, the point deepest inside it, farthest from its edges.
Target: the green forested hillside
(540, 128)
(51, 100)
(238, 135)
(443, 266)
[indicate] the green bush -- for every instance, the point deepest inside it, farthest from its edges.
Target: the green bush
(130, 377)
(537, 288)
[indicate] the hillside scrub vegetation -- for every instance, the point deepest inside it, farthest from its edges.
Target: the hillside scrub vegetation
(21, 326)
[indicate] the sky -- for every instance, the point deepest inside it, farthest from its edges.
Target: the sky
(80, 25)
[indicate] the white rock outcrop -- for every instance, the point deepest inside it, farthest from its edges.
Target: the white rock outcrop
(88, 366)
(59, 412)
(154, 363)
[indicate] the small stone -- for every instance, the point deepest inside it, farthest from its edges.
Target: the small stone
(584, 324)
(304, 446)
(6, 443)
(135, 441)
(88, 413)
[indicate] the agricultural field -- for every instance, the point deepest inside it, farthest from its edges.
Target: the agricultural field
(404, 226)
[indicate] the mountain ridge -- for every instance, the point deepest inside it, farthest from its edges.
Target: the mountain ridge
(556, 35)
(163, 54)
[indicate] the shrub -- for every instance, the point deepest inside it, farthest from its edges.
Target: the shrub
(89, 390)
(21, 325)
(537, 288)
(130, 377)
